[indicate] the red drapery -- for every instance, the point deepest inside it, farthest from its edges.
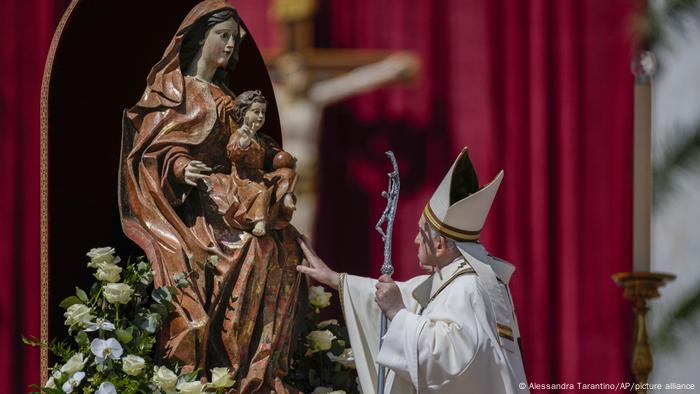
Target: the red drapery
(539, 88)
(26, 28)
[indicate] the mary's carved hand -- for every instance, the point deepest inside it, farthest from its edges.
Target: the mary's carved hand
(194, 171)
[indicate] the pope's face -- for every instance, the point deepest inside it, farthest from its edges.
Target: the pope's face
(427, 258)
(219, 43)
(255, 116)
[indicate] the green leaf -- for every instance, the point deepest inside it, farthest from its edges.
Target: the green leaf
(125, 335)
(314, 379)
(82, 339)
(95, 288)
(148, 322)
(180, 280)
(337, 348)
(45, 390)
(192, 375)
(31, 341)
(172, 290)
(72, 300)
(682, 155)
(160, 294)
(160, 309)
(82, 296)
(340, 379)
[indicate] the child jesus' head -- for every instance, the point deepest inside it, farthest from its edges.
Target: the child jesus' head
(249, 110)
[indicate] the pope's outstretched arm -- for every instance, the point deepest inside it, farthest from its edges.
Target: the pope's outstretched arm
(426, 351)
(359, 304)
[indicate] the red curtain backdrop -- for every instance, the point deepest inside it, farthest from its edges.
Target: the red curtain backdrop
(538, 88)
(26, 28)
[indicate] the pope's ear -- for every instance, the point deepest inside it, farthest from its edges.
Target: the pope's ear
(243, 33)
(440, 245)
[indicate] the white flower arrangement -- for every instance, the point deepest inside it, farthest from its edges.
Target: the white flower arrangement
(324, 364)
(113, 328)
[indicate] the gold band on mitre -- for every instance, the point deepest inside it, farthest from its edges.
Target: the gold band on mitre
(447, 230)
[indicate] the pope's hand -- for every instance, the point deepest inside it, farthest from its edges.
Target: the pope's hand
(388, 297)
(317, 269)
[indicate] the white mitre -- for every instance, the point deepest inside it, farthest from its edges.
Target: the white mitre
(458, 210)
(459, 218)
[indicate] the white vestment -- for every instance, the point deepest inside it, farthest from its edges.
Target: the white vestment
(446, 341)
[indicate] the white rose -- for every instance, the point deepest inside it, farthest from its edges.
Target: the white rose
(338, 392)
(322, 390)
(100, 255)
(327, 323)
(78, 314)
(346, 358)
(164, 378)
(133, 365)
(108, 272)
(74, 364)
(191, 387)
(320, 340)
(118, 293)
(220, 378)
(319, 298)
(50, 384)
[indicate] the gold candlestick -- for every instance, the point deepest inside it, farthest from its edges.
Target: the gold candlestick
(638, 288)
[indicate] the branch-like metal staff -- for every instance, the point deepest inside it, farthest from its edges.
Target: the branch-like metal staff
(387, 218)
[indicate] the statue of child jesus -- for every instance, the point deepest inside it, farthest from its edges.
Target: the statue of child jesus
(259, 192)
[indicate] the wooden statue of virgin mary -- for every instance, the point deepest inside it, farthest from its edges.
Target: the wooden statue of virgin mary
(239, 308)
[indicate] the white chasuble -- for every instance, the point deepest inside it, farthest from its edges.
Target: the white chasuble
(446, 341)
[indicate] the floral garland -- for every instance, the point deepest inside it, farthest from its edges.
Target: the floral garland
(113, 329)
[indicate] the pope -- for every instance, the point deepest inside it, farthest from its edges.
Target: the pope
(452, 330)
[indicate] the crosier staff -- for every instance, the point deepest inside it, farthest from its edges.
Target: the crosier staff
(387, 218)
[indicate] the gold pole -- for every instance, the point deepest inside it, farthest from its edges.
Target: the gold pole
(639, 287)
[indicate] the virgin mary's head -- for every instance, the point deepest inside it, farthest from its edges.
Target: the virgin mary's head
(216, 37)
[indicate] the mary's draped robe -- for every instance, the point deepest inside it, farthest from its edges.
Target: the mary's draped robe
(239, 310)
